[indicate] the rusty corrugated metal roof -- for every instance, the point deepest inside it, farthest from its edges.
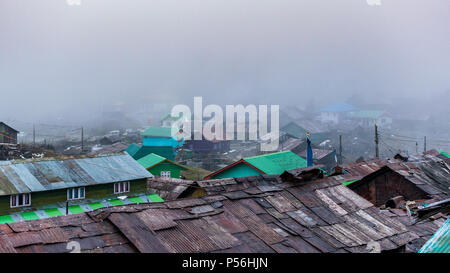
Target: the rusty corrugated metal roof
(267, 214)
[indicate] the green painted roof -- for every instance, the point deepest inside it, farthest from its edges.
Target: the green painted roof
(157, 132)
(138, 151)
(365, 114)
(444, 153)
(151, 160)
(277, 163)
(132, 149)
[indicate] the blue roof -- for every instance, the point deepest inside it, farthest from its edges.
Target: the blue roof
(340, 107)
(43, 175)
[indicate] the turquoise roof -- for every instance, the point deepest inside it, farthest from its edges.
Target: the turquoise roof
(440, 242)
(157, 132)
(139, 151)
(277, 163)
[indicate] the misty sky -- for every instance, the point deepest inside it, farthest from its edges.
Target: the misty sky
(55, 57)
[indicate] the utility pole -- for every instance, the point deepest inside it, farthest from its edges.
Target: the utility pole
(34, 136)
(82, 140)
(340, 149)
(377, 154)
(425, 144)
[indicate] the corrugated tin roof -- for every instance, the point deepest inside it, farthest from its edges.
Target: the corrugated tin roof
(33, 176)
(254, 214)
(139, 151)
(440, 242)
(152, 159)
(277, 163)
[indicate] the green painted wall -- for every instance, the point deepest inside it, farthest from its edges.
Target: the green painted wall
(239, 170)
(166, 166)
(58, 198)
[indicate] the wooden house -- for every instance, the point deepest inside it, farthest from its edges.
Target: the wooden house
(29, 185)
(8, 134)
(427, 178)
(161, 166)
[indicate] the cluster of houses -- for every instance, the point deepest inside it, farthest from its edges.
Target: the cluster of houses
(282, 201)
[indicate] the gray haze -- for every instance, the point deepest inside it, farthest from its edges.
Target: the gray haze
(58, 58)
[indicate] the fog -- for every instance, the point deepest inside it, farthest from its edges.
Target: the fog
(62, 60)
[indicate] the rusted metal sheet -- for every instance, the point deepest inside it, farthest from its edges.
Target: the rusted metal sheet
(228, 221)
(236, 195)
(208, 237)
(252, 205)
(338, 235)
(253, 190)
(156, 219)
(303, 217)
(403, 238)
(352, 233)
(327, 215)
(328, 238)
(319, 244)
(201, 209)
(253, 242)
(262, 230)
(275, 213)
(300, 245)
(378, 226)
(296, 227)
(354, 222)
(53, 235)
(237, 209)
(92, 229)
(396, 225)
(307, 198)
(280, 203)
(182, 203)
(25, 238)
(137, 232)
(330, 203)
(176, 242)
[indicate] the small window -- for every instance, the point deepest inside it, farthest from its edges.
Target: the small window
(121, 187)
(75, 193)
(20, 200)
(165, 173)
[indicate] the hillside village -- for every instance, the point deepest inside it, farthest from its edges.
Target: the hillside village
(345, 177)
